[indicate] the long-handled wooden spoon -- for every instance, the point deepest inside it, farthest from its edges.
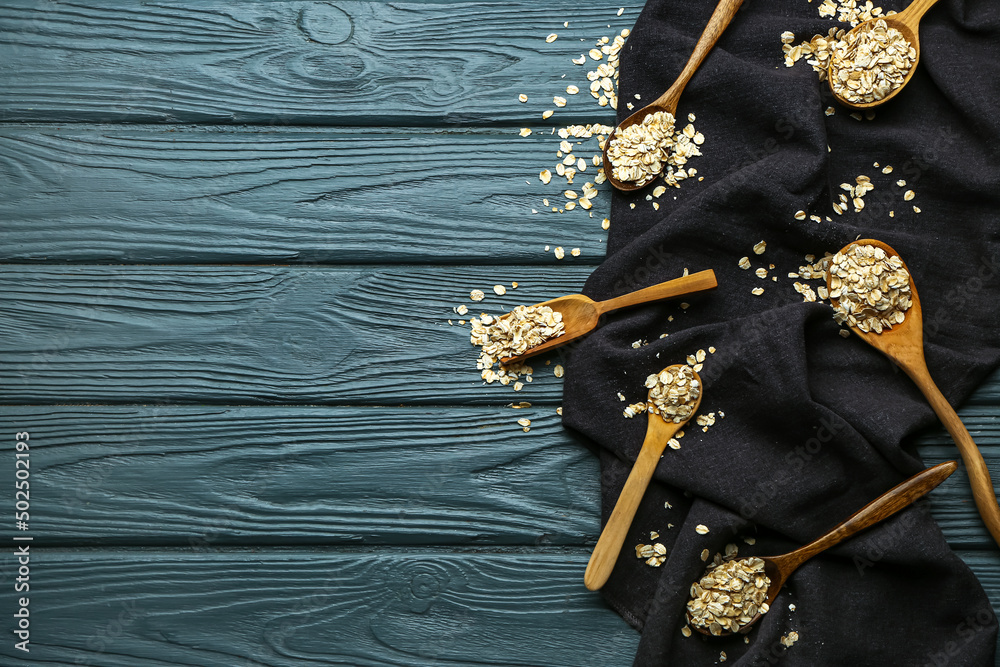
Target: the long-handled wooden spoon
(907, 22)
(609, 544)
(580, 314)
(904, 344)
(721, 17)
(779, 568)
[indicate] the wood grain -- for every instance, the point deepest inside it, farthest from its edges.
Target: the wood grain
(209, 477)
(274, 63)
(215, 195)
(288, 608)
(205, 477)
(362, 335)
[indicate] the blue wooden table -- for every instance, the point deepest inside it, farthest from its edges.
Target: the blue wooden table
(232, 238)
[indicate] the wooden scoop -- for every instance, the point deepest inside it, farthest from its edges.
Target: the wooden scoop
(904, 344)
(723, 14)
(907, 22)
(779, 568)
(580, 314)
(605, 555)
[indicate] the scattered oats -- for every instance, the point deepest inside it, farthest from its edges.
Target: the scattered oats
(524, 422)
(525, 131)
(606, 223)
(518, 386)
(545, 176)
(621, 10)
(685, 305)
(559, 101)
(704, 555)
(872, 288)
(499, 290)
(845, 333)
(901, 183)
(701, 529)
(621, 397)
(686, 631)
(916, 209)
(700, 356)
(722, 656)
(565, 24)
(522, 97)
(711, 350)
(572, 90)
(547, 114)
(791, 606)
(560, 253)
(830, 111)
(761, 272)
(673, 444)
(750, 540)
(909, 195)
(887, 169)
(744, 263)
(477, 295)
(729, 595)
(659, 190)
(760, 248)
(581, 60)
(800, 215)
(462, 309)
(787, 37)
(789, 639)
(757, 291)
(551, 38)
(596, 54)
(653, 535)
(856, 116)
(575, 252)
(559, 411)
(513, 285)
(558, 371)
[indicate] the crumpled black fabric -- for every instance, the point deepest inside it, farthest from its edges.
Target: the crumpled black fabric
(815, 425)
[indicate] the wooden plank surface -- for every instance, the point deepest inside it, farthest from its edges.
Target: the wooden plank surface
(288, 608)
(274, 63)
(253, 334)
(151, 194)
(209, 477)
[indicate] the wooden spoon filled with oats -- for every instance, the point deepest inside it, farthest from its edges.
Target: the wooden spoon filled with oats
(735, 593)
(578, 314)
(872, 62)
(645, 145)
(871, 290)
(674, 397)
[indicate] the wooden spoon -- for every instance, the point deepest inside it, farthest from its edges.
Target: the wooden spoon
(658, 434)
(906, 22)
(580, 314)
(779, 568)
(904, 344)
(723, 14)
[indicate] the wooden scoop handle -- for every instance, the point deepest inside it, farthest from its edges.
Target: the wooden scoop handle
(911, 15)
(696, 282)
(723, 14)
(975, 466)
(609, 545)
(881, 508)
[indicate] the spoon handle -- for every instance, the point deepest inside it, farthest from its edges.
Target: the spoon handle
(723, 14)
(979, 474)
(912, 14)
(877, 510)
(696, 282)
(609, 545)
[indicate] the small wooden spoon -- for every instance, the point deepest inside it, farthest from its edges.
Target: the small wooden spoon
(906, 22)
(581, 313)
(779, 568)
(904, 344)
(609, 545)
(723, 14)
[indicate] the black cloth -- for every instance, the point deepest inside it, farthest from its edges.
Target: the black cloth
(815, 425)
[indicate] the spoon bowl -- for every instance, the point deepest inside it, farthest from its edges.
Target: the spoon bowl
(658, 433)
(581, 314)
(904, 345)
(779, 568)
(717, 24)
(906, 22)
